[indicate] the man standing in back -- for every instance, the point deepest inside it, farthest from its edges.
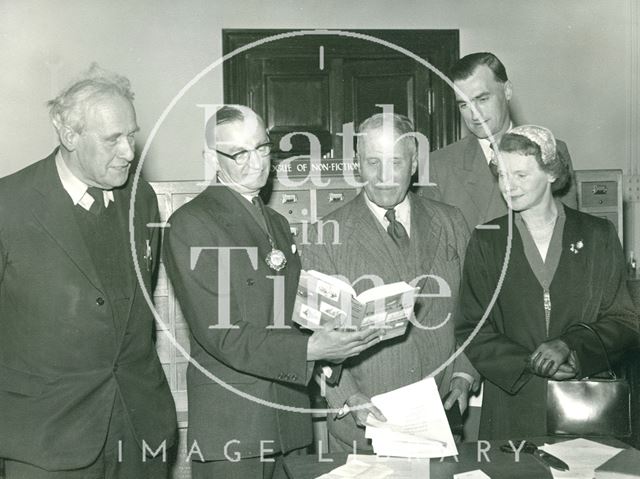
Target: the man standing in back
(462, 171)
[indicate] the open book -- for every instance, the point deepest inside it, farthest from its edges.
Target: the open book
(324, 301)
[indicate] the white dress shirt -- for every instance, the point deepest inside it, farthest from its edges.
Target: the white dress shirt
(403, 213)
(485, 144)
(76, 188)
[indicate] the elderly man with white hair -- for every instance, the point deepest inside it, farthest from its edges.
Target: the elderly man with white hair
(82, 392)
(392, 234)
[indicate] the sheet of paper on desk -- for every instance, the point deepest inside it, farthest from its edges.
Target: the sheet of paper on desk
(361, 466)
(477, 474)
(581, 455)
(359, 470)
(416, 423)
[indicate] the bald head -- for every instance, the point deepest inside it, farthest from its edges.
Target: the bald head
(387, 158)
(240, 115)
(387, 125)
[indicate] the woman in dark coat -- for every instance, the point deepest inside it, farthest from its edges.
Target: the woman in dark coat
(560, 267)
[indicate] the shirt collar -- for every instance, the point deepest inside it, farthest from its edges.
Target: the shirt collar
(403, 212)
(76, 188)
(485, 144)
(246, 196)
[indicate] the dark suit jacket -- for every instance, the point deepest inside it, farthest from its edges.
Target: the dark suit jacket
(463, 179)
(250, 362)
(62, 360)
(588, 286)
(438, 239)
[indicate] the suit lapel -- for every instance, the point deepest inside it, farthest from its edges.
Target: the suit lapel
(368, 235)
(480, 185)
(122, 201)
(53, 209)
(425, 237)
(238, 222)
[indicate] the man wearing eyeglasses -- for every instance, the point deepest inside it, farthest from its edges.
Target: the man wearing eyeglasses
(234, 268)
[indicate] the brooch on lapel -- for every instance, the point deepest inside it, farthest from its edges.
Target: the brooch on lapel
(575, 248)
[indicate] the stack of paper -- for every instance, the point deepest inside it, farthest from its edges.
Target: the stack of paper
(581, 455)
(374, 467)
(624, 465)
(416, 423)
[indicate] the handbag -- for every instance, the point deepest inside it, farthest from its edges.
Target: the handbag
(590, 406)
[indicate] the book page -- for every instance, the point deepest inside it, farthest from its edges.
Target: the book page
(331, 280)
(383, 291)
(416, 423)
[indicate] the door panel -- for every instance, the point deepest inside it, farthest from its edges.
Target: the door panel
(316, 83)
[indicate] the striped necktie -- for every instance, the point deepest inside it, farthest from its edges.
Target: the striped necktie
(397, 232)
(493, 162)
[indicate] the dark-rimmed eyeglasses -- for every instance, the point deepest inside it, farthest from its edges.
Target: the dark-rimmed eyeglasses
(243, 156)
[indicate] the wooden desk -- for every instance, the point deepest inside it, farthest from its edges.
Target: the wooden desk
(501, 465)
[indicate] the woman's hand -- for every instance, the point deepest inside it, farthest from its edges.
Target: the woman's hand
(547, 359)
(568, 370)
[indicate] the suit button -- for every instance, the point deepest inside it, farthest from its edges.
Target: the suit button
(250, 282)
(99, 301)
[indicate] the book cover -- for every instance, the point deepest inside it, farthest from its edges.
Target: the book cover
(325, 301)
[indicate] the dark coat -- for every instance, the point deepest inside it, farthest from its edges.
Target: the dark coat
(267, 364)
(588, 286)
(62, 358)
(464, 180)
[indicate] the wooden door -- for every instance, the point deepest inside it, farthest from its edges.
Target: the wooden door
(398, 83)
(292, 95)
(320, 82)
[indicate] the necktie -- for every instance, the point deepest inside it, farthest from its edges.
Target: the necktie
(493, 162)
(259, 204)
(97, 207)
(396, 231)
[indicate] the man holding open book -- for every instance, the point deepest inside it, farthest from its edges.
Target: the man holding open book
(386, 235)
(234, 268)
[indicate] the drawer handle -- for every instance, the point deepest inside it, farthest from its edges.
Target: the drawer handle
(335, 197)
(600, 190)
(289, 198)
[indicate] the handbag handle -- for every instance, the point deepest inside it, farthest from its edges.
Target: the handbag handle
(604, 348)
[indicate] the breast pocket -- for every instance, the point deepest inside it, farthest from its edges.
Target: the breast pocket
(20, 382)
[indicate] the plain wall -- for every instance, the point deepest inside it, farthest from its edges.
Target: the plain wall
(569, 61)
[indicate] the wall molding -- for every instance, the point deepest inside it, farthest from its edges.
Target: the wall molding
(633, 92)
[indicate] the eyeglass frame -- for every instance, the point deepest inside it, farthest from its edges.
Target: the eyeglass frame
(235, 156)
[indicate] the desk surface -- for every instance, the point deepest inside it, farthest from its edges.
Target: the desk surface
(495, 463)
